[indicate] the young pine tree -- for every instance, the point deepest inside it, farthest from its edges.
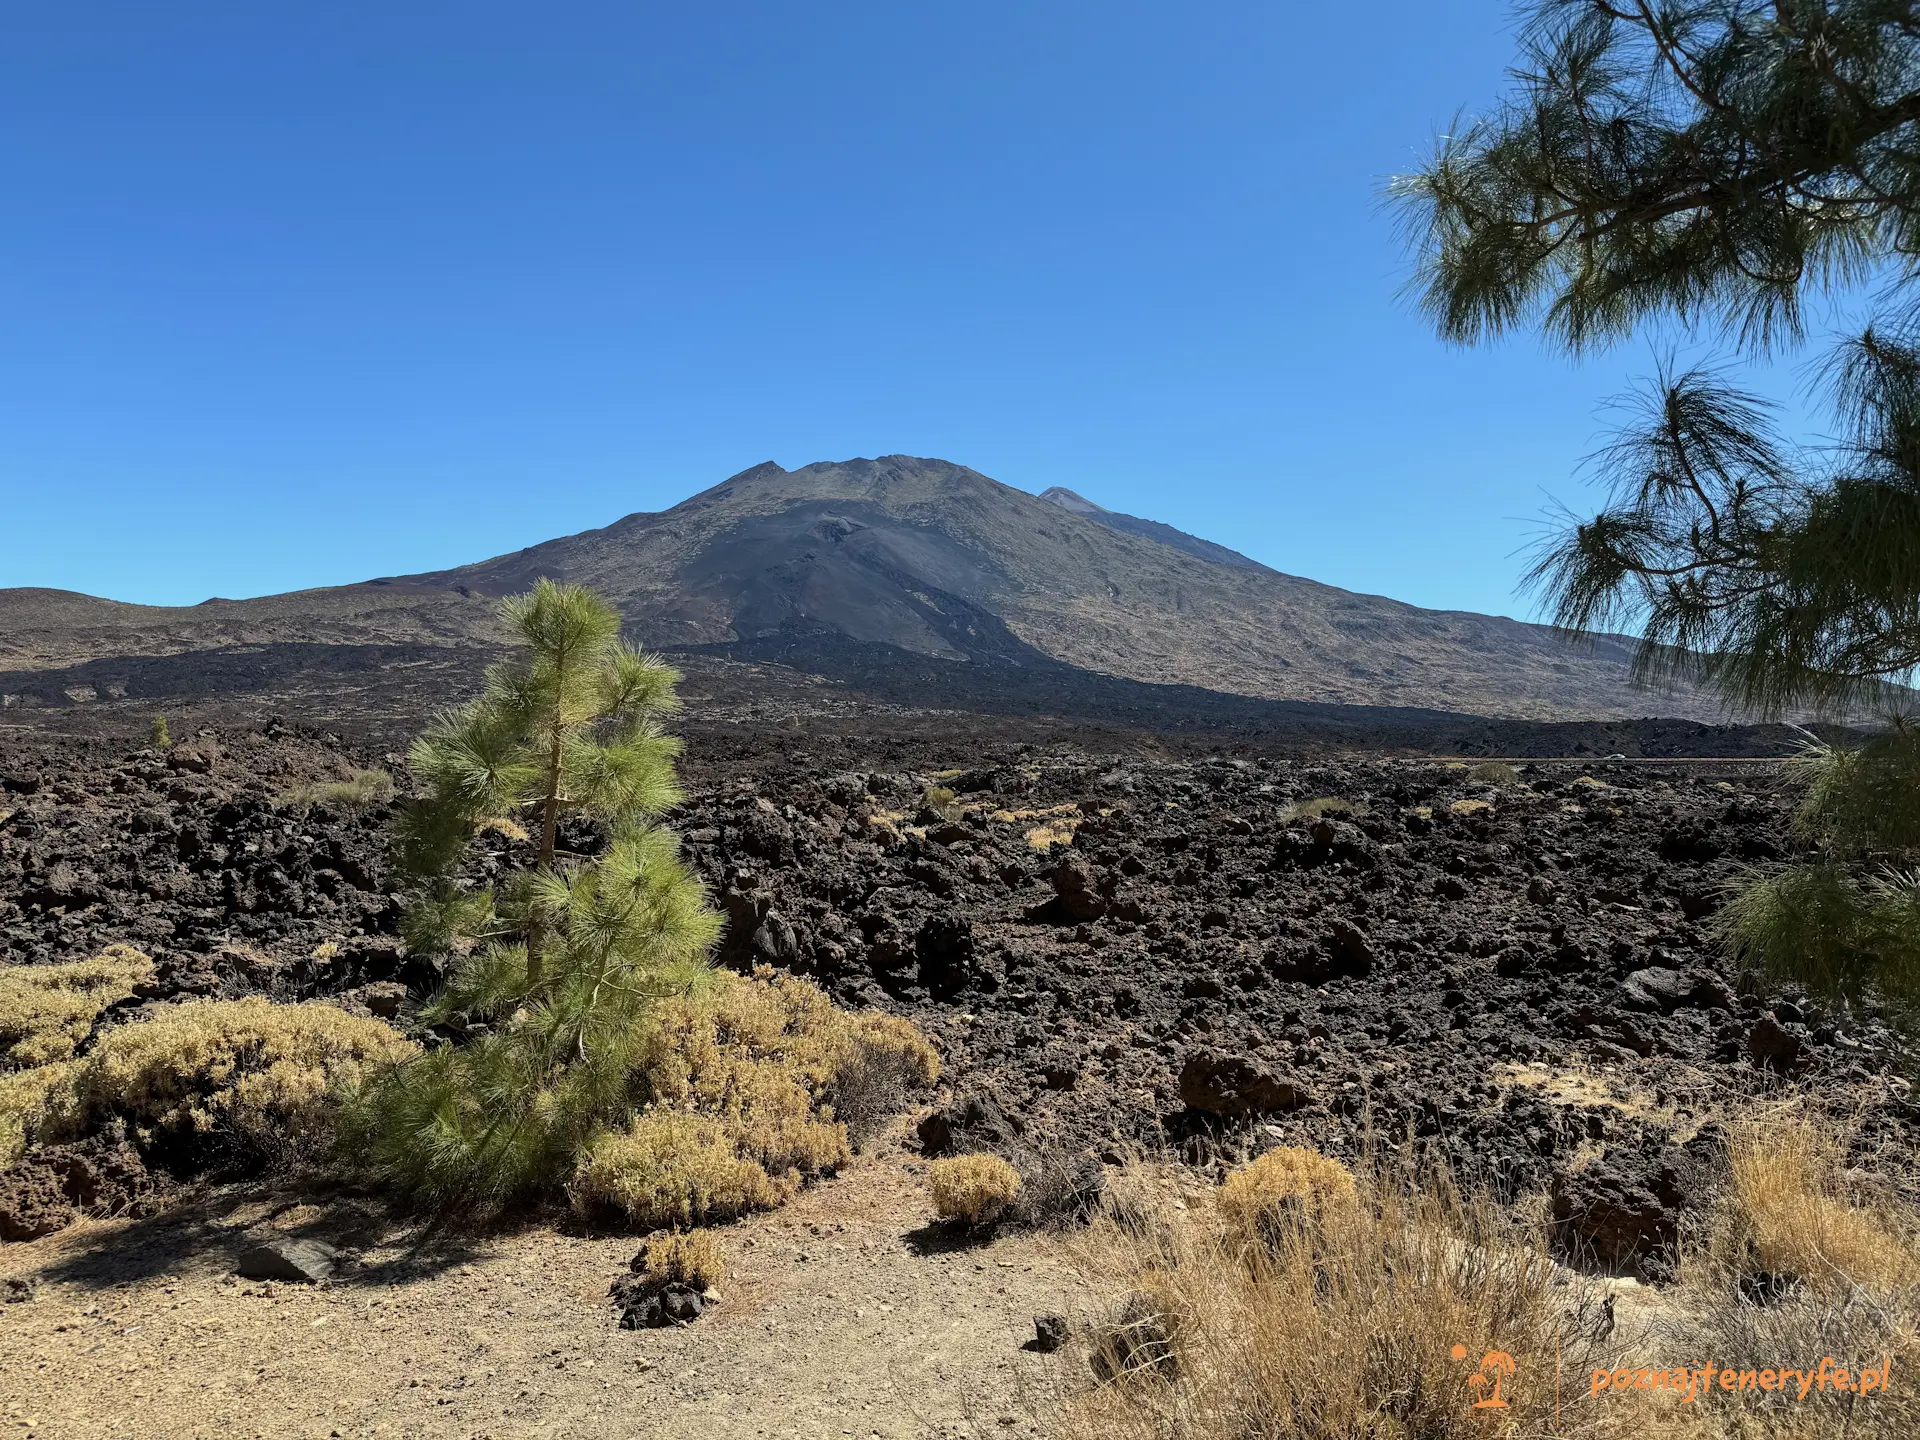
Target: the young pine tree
(553, 969)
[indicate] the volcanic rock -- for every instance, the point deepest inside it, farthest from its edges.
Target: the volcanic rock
(1223, 1084)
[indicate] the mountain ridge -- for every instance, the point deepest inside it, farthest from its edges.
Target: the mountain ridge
(930, 559)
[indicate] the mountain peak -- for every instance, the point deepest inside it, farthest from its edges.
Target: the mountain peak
(1068, 500)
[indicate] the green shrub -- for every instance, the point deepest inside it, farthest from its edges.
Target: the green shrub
(158, 736)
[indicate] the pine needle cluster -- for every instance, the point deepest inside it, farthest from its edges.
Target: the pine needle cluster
(552, 969)
(1719, 163)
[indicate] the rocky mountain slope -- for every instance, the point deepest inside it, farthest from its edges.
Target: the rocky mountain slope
(853, 570)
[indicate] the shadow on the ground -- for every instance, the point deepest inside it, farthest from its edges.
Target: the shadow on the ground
(378, 1247)
(946, 1237)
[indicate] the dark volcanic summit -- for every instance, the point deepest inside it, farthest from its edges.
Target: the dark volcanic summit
(918, 579)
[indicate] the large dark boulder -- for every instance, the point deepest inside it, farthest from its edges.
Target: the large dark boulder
(1223, 1084)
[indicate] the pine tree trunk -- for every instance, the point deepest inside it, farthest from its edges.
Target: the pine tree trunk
(549, 834)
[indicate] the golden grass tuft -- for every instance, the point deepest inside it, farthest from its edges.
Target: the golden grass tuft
(673, 1168)
(743, 1077)
(1790, 1211)
(972, 1189)
(361, 790)
(1268, 1196)
(1342, 1325)
(1320, 807)
(1494, 772)
(685, 1259)
(47, 1010)
(1470, 807)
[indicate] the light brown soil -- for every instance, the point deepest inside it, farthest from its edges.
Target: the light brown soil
(842, 1315)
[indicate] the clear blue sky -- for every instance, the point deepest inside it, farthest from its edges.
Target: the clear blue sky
(295, 295)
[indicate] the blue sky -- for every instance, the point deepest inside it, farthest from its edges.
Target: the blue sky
(299, 295)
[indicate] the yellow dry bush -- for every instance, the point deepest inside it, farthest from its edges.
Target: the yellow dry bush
(1789, 1210)
(685, 1259)
(31, 1100)
(743, 1077)
(249, 1068)
(895, 1043)
(1372, 1324)
(673, 1168)
(1319, 808)
(361, 790)
(1285, 1185)
(47, 1010)
(974, 1189)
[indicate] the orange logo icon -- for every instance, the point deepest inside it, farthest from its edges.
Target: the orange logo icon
(1495, 1367)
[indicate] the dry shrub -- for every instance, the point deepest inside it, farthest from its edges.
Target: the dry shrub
(1795, 1263)
(1789, 1211)
(743, 1078)
(1343, 1324)
(1262, 1201)
(690, 1259)
(30, 1101)
(972, 1189)
(47, 1010)
(1494, 772)
(265, 1075)
(884, 1060)
(361, 790)
(1320, 807)
(674, 1168)
(1057, 832)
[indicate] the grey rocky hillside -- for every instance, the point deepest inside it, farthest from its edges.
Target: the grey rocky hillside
(892, 576)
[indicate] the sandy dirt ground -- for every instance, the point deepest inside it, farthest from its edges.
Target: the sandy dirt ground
(843, 1315)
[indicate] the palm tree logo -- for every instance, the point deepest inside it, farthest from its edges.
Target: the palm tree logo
(1496, 1366)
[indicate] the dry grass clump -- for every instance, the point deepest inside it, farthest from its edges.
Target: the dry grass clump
(31, 1101)
(1796, 1263)
(941, 801)
(361, 790)
(1494, 772)
(266, 1075)
(685, 1259)
(1320, 807)
(1789, 1211)
(972, 1189)
(1263, 1200)
(743, 1079)
(47, 1010)
(885, 1059)
(674, 1168)
(1344, 1324)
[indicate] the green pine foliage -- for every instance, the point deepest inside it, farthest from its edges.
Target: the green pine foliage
(1849, 918)
(553, 969)
(1722, 163)
(158, 736)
